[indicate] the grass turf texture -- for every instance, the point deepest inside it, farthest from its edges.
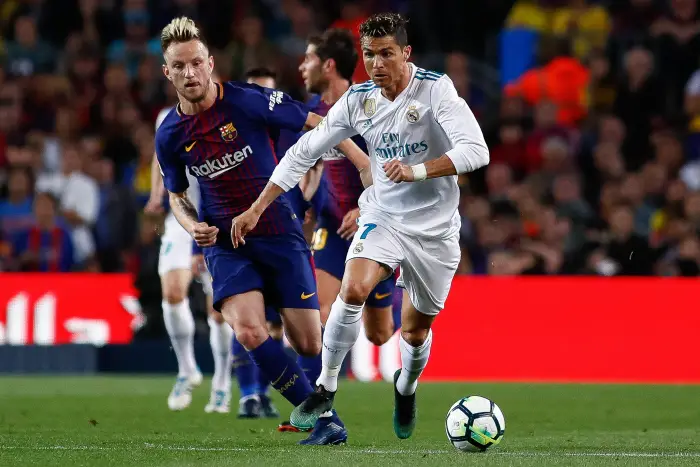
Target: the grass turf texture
(118, 421)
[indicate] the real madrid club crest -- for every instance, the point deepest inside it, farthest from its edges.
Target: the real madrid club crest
(358, 248)
(370, 107)
(228, 132)
(412, 115)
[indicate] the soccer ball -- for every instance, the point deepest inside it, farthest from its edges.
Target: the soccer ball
(474, 424)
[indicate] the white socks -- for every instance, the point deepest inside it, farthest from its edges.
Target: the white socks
(413, 361)
(342, 329)
(220, 335)
(180, 326)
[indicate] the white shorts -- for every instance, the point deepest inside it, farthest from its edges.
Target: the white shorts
(207, 286)
(175, 247)
(428, 265)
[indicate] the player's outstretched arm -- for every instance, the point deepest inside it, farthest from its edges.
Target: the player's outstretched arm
(333, 129)
(359, 159)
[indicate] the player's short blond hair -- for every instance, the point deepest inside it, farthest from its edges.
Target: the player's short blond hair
(179, 30)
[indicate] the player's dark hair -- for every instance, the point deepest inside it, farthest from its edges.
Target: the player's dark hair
(339, 45)
(314, 39)
(261, 72)
(385, 24)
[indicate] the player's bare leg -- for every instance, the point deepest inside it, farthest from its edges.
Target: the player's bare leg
(342, 329)
(377, 329)
(328, 290)
(246, 314)
(415, 342)
(179, 323)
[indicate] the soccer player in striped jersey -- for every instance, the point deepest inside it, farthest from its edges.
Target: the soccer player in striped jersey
(219, 132)
(178, 263)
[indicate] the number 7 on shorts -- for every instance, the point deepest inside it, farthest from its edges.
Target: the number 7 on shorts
(368, 228)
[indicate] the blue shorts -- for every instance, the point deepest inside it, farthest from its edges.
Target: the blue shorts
(272, 315)
(330, 251)
(280, 266)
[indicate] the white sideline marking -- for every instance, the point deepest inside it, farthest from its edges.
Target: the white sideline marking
(147, 446)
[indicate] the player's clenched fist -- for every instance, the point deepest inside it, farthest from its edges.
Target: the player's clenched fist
(204, 234)
(398, 172)
(242, 225)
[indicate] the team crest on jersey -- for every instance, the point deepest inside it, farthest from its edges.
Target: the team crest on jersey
(358, 248)
(228, 132)
(370, 107)
(412, 115)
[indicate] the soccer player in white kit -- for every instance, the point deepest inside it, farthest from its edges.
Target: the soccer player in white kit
(177, 265)
(420, 136)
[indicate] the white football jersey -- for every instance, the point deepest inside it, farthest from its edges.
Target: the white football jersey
(425, 121)
(193, 190)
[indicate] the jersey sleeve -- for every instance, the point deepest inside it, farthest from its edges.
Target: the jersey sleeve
(334, 128)
(275, 108)
(171, 166)
(469, 151)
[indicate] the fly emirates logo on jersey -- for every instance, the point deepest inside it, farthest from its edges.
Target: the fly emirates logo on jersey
(393, 148)
(214, 167)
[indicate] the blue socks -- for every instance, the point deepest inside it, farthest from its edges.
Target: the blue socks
(311, 366)
(283, 371)
(245, 370)
(264, 381)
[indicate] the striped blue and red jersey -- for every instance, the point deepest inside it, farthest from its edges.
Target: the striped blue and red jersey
(343, 184)
(227, 148)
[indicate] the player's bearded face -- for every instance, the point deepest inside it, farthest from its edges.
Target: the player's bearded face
(189, 67)
(311, 70)
(384, 59)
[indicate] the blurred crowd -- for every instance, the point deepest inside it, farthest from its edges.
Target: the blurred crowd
(594, 130)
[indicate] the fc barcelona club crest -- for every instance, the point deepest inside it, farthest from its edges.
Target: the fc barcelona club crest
(228, 132)
(370, 107)
(412, 115)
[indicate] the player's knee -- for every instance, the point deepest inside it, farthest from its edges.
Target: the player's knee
(355, 292)
(415, 337)
(251, 337)
(379, 336)
(174, 295)
(308, 346)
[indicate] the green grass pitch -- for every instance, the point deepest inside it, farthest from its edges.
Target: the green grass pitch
(124, 421)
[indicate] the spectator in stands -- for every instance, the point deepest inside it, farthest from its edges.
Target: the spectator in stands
(47, 245)
(633, 18)
(16, 211)
(79, 200)
(529, 14)
(563, 80)
(637, 104)
(248, 50)
(116, 226)
(677, 36)
(28, 54)
(136, 44)
(352, 14)
(588, 24)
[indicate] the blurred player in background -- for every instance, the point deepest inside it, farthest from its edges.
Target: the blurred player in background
(178, 263)
(220, 133)
(327, 71)
(421, 135)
